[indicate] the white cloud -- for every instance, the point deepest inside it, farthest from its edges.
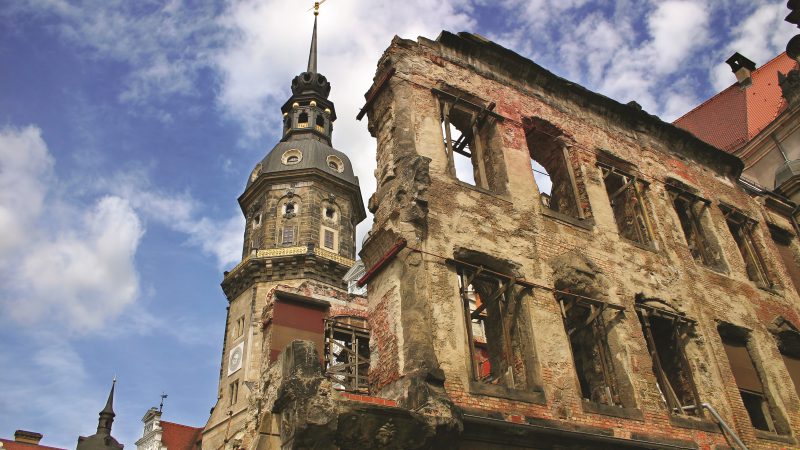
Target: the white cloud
(68, 266)
(221, 239)
(25, 167)
(760, 37)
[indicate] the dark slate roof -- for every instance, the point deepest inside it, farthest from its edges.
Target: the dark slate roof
(315, 154)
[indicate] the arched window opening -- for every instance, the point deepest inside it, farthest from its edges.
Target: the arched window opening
(302, 120)
(320, 123)
(559, 188)
(289, 209)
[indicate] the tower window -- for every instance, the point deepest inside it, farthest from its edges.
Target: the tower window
(335, 163)
(292, 156)
(289, 209)
(330, 213)
(288, 235)
(233, 392)
(320, 124)
(329, 239)
(302, 120)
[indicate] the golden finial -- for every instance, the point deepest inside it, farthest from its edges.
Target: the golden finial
(316, 7)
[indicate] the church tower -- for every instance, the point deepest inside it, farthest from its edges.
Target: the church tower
(302, 203)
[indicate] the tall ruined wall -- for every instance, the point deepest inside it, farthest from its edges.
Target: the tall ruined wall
(420, 349)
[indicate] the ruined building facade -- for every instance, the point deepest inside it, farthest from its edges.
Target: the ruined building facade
(635, 300)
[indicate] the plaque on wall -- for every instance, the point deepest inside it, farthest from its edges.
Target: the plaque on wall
(235, 357)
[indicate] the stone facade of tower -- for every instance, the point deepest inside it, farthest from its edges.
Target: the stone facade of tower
(302, 204)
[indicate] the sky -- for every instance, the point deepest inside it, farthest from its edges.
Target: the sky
(128, 130)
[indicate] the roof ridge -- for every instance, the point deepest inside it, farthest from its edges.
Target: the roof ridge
(180, 425)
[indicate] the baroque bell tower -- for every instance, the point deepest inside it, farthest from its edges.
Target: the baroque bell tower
(302, 203)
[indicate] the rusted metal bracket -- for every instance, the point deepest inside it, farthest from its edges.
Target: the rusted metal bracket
(399, 245)
(374, 94)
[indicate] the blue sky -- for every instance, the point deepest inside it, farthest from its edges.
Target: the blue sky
(128, 130)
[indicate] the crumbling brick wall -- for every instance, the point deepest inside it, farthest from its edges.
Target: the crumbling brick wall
(425, 336)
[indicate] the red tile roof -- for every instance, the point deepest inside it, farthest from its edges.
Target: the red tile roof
(14, 445)
(180, 437)
(730, 119)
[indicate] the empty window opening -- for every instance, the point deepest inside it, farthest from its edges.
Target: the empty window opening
(495, 321)
(288, 235)
(467, 129)
(257, 220)
(302, 120)
(233, 393)
(559, 189)
(789, 346)
(786, 245)
(665, 333)
(691, 209)
(347, 353)
(747, 379)
(741, 227)
(320, 124)
(238, 329)
(586, 330)
(289, 208)
(330, 213)
(627, 203)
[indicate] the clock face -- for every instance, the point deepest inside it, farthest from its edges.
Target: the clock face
(235, 358)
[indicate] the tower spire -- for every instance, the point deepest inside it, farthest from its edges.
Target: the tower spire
(107, 414)
(312, 54)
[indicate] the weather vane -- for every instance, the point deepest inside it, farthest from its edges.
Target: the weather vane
(161, 406)
(316, 7)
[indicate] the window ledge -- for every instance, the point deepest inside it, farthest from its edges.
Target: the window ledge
(771, 289)
(507, 393)
(648, 247)
(614, 411)
(769, 436)
(472, 187)
(587, 224)
(695, 423)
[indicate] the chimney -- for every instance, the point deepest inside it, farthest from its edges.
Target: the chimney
(742, 68)
(27, 437)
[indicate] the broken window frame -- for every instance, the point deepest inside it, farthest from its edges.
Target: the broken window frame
(755, 266)
(471, 143)
(695, 218)
(509, 295)
(351, 375)
(681, 328)
(635, 187)
(596, 308)
(563, 157)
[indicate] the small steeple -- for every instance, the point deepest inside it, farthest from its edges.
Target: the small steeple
(107, 414)
(102, 440)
